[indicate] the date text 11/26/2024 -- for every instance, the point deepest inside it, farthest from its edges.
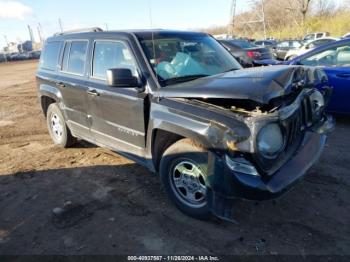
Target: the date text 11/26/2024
(173, 258)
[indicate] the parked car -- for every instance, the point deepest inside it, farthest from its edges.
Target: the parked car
(314, 36)
(267, 43)
(23, 56)
(347, 35)
(34, 54)
(334, 58)
(284, 47)
(309, 46)
(14, 56)
(181, 105)
(245, 52)
(2, 57)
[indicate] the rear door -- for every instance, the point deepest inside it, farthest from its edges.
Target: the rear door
(73, 86)
(116, 114)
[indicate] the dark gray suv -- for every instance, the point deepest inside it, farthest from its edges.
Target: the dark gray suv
(180, 104)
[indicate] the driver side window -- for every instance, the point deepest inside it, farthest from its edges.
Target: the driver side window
(336, 56)
(109, 55)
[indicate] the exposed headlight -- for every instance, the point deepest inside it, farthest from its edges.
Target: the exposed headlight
(317, 100)
(270, 141)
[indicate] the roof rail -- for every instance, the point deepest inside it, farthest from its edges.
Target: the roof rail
(81, 30)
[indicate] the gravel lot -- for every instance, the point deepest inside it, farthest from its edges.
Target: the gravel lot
(118, 207)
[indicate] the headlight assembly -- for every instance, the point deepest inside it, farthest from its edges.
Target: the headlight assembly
(270, 141)
(317, 101)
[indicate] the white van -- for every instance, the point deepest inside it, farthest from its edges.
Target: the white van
(313, 36)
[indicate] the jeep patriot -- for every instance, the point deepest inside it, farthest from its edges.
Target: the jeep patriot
(179, 104)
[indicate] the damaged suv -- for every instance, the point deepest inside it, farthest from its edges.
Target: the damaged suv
(179, 104)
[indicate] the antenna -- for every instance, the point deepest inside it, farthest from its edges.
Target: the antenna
(153, 43)
(60, 24)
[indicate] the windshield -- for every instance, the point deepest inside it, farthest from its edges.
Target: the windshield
(242, 44)
(309, 37)
(184, 57)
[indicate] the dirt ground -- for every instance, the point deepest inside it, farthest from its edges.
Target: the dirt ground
(118, 207)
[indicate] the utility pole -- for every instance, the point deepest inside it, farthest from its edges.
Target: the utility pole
(40, 33)
(232, 17)
(7, 43)
(60, 24)
(30, 33)
(263, 18)
(258, 19)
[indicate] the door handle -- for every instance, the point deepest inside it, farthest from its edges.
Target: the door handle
(60, 84)
(343, 75)
(93, 93)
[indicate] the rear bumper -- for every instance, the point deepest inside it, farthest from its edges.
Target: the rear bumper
(227, 185)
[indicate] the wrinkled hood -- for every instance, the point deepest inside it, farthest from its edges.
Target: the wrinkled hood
(257, 84)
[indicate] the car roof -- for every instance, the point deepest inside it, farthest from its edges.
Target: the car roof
(326, 38)
(290, 40)
(142, 33)
(323, 47)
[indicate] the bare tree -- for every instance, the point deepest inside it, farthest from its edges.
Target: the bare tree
(324, 8)
(304, 8)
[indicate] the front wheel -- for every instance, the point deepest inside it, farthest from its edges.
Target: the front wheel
(183, 171)
(59, 132)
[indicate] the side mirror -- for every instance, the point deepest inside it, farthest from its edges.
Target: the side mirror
(122, 77)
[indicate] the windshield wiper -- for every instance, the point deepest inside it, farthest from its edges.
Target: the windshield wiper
(182, 79)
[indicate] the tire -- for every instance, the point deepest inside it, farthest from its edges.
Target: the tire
(192, 159)
(58, 130)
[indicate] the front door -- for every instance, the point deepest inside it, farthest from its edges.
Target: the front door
(336, 62)
(339, 79)
(116, 114)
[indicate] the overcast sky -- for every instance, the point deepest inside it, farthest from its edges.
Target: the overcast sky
(117, 14)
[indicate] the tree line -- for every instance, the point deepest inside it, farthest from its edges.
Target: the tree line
(289, 19)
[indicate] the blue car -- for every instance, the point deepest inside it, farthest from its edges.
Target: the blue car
(334, 58)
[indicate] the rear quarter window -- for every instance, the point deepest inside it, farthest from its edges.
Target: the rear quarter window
(49, 58)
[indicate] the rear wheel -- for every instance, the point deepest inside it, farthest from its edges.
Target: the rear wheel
(58, 130)
(183, 171)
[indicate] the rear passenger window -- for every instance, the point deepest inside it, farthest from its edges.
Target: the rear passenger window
(74, 57)
(49, 59)
(110, 55)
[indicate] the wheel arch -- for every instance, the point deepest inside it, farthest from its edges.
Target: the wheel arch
(48, 95)
(166, 135)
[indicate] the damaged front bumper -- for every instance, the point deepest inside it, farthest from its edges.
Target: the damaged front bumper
(244, 181)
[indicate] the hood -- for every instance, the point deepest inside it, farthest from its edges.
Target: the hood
(257, 84)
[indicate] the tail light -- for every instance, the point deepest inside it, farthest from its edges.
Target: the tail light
(253, 54)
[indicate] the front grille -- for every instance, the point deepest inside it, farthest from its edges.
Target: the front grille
(298, 122)
(294, 129)
(307, 112)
